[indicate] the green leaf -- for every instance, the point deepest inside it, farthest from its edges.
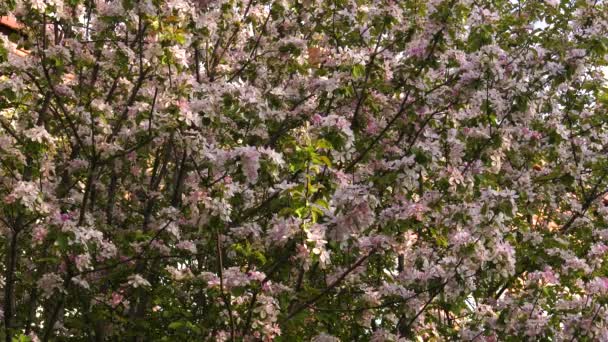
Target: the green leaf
(323, 143)
(358, 70)
(176, 325)
(324, 160)
(21, 338)
(62, 242)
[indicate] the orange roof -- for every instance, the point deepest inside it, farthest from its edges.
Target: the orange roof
(10, 22)
(17, 51)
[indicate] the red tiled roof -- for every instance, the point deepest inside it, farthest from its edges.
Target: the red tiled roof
(13, 25)
(10, 22)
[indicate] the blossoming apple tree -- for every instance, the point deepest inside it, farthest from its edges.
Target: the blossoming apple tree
(302, 170)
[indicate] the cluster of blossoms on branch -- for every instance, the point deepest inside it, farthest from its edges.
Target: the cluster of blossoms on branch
(304, 170)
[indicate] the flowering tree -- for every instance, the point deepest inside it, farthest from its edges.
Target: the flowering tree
(329, 170)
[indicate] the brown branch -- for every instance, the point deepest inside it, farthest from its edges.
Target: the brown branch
(225, 298)
(331, 286)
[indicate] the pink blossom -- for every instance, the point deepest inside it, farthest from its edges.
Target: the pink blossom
(250, 159)
(39, 234)
(417, 48)
(49, 283)
(116, 299)
(187, 246)
(317, 119)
